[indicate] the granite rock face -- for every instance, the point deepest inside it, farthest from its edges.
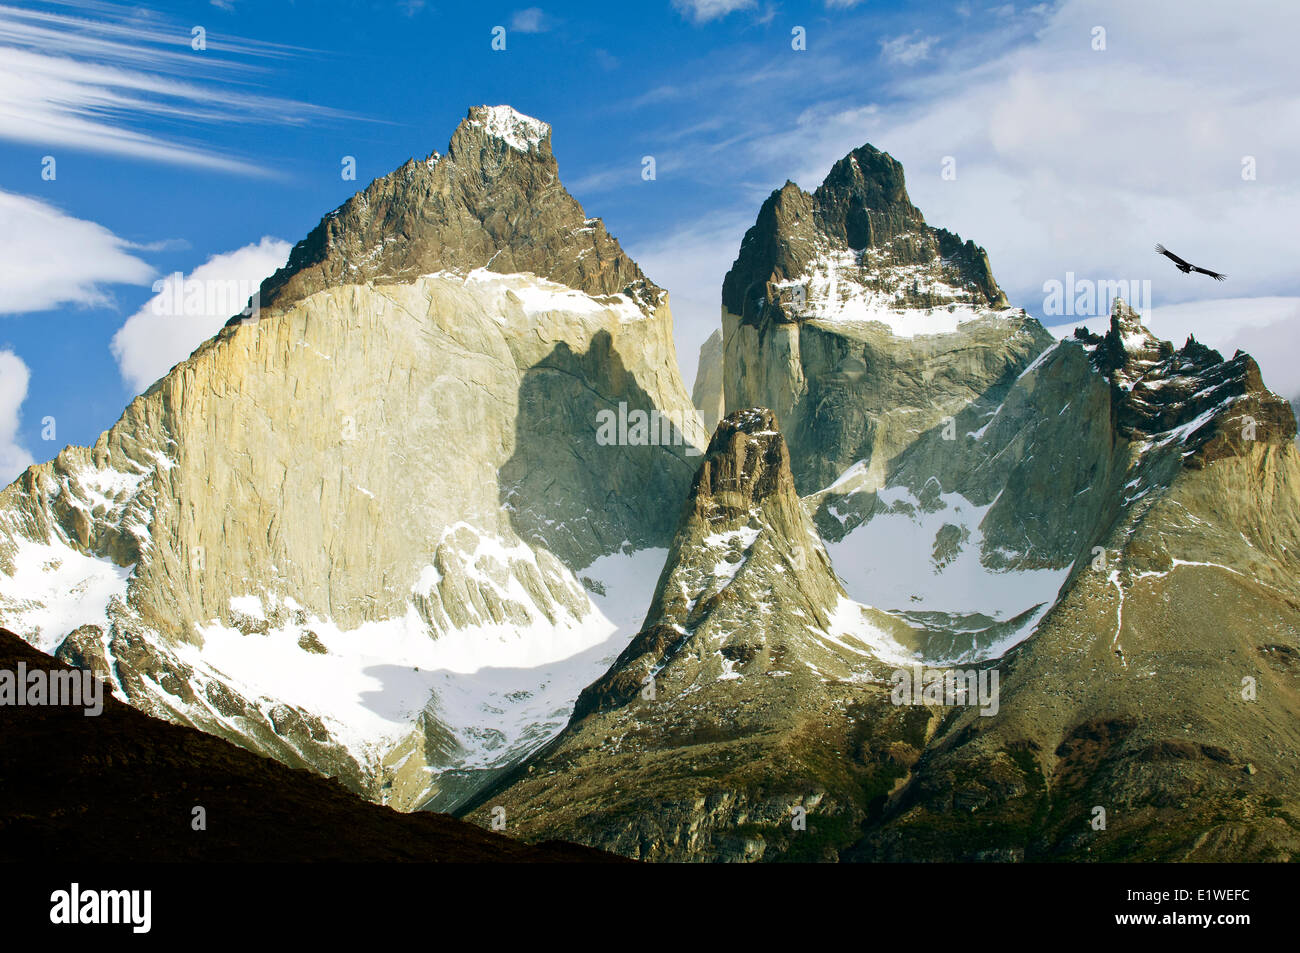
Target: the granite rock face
(707, 394)
(322, 534)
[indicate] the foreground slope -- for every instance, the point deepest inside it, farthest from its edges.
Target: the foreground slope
(373, 533)
(122, 785)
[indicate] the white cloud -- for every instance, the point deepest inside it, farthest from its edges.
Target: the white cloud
(702, 11)
(184, 314)
(14, 458)
(532, 20)
(691, 264)
(48, 258)
(907, 50)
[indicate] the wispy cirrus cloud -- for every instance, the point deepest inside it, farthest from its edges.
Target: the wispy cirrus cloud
(89, 75)
(907, 50)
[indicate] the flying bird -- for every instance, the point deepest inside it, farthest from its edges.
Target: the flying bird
(1187, 267)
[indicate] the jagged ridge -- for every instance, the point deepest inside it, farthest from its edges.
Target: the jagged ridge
(493, 201)
(861, 211)
(1158, 389)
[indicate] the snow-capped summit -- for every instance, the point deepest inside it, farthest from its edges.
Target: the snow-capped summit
(857, 249)
(508, 124)
(453, 213)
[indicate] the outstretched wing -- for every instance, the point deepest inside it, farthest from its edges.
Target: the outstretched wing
(1213, 274)
(1171, 256)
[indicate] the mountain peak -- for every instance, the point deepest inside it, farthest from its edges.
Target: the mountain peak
(424, 383)
(744, 544)
(863, 200)
(747, 462)
(855, 249)
(1190, 395)
(493, 201)
(519, 132)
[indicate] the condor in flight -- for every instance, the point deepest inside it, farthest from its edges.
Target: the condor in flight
(1187, 267)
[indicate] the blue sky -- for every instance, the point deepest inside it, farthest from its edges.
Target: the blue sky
(1069, 158)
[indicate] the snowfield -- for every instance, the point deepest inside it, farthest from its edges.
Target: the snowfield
(889, 563)
(500, 689)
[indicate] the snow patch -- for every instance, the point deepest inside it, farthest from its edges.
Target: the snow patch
(537, 297)
(55, 589)
(837, 287)
(851, 618)
(501, 689)
(518, 131)
(888, 562)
